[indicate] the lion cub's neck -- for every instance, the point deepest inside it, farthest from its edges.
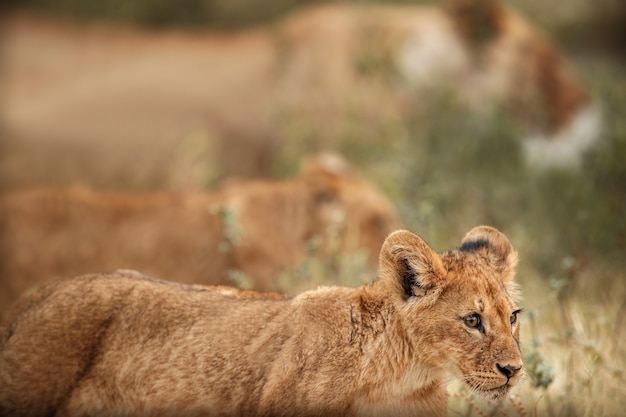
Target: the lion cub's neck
(394, 370)
(378, 317)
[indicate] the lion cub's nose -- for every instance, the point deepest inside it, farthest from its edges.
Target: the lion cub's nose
(509, 371)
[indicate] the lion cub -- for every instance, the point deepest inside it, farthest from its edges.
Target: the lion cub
(125, 344)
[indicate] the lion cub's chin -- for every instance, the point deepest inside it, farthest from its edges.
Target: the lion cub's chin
(491, 390)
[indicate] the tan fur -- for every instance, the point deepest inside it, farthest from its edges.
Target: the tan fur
(258, 228)
(125, 344)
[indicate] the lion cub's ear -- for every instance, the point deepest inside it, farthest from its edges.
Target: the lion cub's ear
(494, 245)
(411, 265)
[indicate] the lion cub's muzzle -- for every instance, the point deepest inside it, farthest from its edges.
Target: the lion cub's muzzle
(509, 370)
(496, 383)
(495, 380)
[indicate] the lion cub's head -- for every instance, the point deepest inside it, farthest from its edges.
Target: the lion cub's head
(459, 308)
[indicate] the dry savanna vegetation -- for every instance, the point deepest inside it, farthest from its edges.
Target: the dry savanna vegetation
(447, 168)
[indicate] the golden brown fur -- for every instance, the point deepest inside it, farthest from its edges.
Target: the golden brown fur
(125, 344)
(258, 228)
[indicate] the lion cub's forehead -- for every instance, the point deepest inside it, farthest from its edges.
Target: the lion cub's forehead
(467, 264)
(478, 283)
(478, 303)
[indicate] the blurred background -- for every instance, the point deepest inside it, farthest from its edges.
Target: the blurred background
(438, 103)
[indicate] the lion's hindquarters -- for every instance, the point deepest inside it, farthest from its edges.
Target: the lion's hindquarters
(52, 343)
(120, 341)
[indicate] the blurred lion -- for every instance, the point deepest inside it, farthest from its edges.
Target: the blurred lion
(481, 52)
(257, 229)
(236, 99)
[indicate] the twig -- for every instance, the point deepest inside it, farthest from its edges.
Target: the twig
(517, 404)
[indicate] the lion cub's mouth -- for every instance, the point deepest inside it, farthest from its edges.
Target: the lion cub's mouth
(489, 393)
(496, 393)
(491, 385)
(489, 389)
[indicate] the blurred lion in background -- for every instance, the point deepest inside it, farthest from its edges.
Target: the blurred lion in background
(482, 52)
(257, 229)
(109, 104)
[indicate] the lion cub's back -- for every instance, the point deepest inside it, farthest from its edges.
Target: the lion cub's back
(123, 327)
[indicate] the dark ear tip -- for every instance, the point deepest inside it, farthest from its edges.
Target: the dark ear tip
(490, 241)
(478, 238)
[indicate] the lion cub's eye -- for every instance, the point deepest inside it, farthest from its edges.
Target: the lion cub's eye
(473, 321)
(513, 318)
